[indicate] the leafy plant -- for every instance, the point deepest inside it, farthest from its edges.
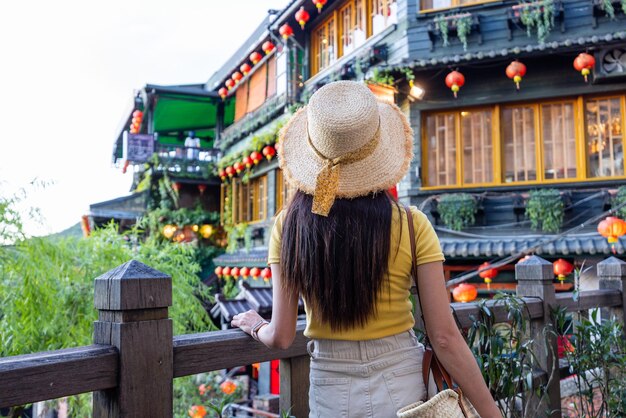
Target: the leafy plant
(442, 25)
(382, 77)
(545, 210)
(463, 29)
(620, 199)
(538, 16)
(607, 6)
(237, 232)
(597, 356)
(457, 210)
(623, 4)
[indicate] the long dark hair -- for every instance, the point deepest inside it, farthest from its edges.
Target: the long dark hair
(337, 263)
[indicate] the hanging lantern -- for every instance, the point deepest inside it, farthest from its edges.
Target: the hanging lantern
(206, 231)
(201, 188)
(464, 292)
(285, 31)
(255, 272)
(238, 167)
(177, 186)
(612, 228)
(218, 271)
(222, 175)
(226, 271)
(455, 80)
(223, 92)
(584, 63)
(266, 274)
(230, 83)
(256, 157)
(247, 161)
(230, 171)
(244, 272)
(562, 269)
(234, 272)
(237, 76)
(515, 71)
(269, 151)
(255, 57)
(245, 68)
(319, 4)
(169, 231)
(486, 273)
(267, 47)
(135, 122)
(302, 16)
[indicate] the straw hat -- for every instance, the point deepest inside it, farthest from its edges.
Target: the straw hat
(345, 144)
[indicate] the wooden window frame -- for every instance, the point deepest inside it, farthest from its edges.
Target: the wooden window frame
(454, 4)
(581, 155)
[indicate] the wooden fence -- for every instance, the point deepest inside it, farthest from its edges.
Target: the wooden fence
(134, 359)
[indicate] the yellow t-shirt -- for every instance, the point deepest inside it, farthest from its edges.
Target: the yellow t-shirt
(393, 305)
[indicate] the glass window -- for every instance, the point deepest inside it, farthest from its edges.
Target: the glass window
(384, 14)
(324, 45)
(476, 133)
(604, 137)
(441, 4)
(441, 143)
(284, 192)
(559, 140)
(518, 130)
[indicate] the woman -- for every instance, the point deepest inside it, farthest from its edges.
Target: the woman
(343, 244)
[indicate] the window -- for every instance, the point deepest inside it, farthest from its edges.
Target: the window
(264, 82)
(324, 45)
(445, 4)
(384, 14)
(604, 137)
(284, 192)
(353, 30)
(250, 200)
(525, 143)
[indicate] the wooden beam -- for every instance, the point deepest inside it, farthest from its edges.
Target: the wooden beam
(54, 374)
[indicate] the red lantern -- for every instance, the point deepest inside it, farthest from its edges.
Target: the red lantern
(302, 16)
(234, 272)
(201, 188)
(230, 171)
(238, 167)
(135, 123)
(218, 271)
(319, 4)
(237, 76)
(255, 57)
(230, 83)
(486, 273)
(255, 272)
(285, 31)
(226, 271)
(584, 63)
(244, 272)
(266, 274)
(137, 114)
(245, 68)
(223, 92)
(267, 47)
(464, 292)
(177, 186)
(455, 80)
(269, 152)
(562, 269)
(222, 174)
(247, 162)
(612, 228)
(256, 157)
(515, 71)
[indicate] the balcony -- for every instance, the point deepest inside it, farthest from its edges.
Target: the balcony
(181, 161)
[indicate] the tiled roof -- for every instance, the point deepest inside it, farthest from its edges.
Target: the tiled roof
(256, 257)
(587, 244)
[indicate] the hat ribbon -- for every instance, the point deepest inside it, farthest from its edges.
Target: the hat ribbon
(327, 182)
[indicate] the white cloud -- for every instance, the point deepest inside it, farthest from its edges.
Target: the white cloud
(68, 70)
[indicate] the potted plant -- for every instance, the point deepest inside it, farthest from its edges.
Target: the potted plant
(460, 24)
(537, 17)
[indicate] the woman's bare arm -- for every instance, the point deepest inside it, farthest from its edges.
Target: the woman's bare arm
(448, 342)
(281, 331)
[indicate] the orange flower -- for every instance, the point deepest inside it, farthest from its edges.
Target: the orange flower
(197, 411)
(228, 387)
(202, 389)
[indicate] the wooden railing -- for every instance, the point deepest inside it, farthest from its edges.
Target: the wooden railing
(135, 358)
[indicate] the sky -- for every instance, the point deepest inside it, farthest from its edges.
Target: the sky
(68, 69)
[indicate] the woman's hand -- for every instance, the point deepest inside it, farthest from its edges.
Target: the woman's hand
(246, 320)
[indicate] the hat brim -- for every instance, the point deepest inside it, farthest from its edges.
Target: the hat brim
(382, 170)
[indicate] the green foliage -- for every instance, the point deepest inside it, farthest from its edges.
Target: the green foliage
(462, 23)
(457, 210)
(538, 16)
(607, 6)
(442, 26)
(623, 4)
(463, 29)
(237, 232)
(620, 199)
(204, 390)
(597, 354)
(504, 353)
(382, 77)
(545, 210)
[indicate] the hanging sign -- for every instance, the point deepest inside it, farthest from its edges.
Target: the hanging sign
(138, 148)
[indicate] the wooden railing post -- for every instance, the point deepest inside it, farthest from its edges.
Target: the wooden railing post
(534, 278)
(612, 274)
(294, 386)
(132, 301)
